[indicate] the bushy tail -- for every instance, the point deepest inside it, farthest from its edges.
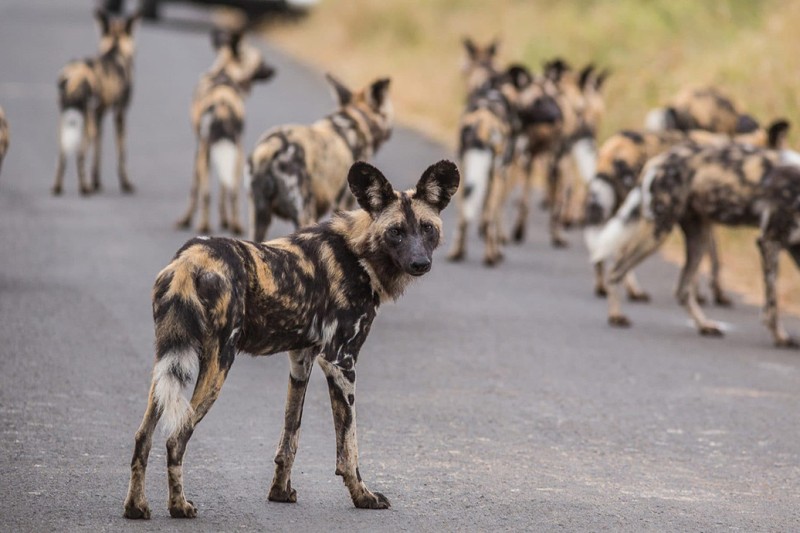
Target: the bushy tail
(584, 152)
(477, 163)
(179, 323)
(223, 154)
(619, 229)
(72, 130)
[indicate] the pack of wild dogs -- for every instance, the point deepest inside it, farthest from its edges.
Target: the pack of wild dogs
(699, 161)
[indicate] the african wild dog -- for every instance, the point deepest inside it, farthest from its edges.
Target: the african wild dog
(314, 293)
(299, 172)
(699, 108)
(579, 99)
(218, 121)
(4, 137)
(87, 89)
(694, 187)
(780, 229)
(487, 131)
(620, 161)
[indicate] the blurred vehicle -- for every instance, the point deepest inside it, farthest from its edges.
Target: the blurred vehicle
(252, 8)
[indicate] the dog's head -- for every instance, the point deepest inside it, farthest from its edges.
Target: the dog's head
(244, 64)
(405, 226)
(479, 62)
(371, 101)
(116, 32)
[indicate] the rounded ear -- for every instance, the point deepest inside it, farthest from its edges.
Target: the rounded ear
(102, 17)
(132, 21)
(372, 190)
(438, 184)
(378, 91)
(585, 73)
(601, 79)
(263, 72)
(469, 46)
(746, 124)
(493, 47)
(777, 133)
(235, 42)
(343, 94)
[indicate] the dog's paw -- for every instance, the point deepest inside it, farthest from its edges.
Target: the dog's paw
(279, 494)
(185, 509)
(711, 330)
(787, 342)
(722, 300)
(127, 188)
(56, 190)
(600, 291)
(372, 500)
(639, 297)
(86, 191)
(558, 242)
(137, 510)
(619, 321)
(518, 235)
(236, 229)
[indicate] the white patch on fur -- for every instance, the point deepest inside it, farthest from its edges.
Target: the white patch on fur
(223, 156)
(477, 169)
(328, 331)
(647, 184)
(175, 408)
(656, 120)
(584, 152)
(71, 131)
(790, 157)
(618, 230)
(601, 193)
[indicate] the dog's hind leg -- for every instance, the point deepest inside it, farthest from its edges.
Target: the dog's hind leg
(234, 223)
(136, 503)
(200, 162)
(58, 186)
(523, 206)
(720, 298)
(697, 235)
(558, 196)
(214, 366)
(97, 126)
(770, 250)
(119, 127)
(302, 362)
(634, 290)
(223, 206)
(342, 389)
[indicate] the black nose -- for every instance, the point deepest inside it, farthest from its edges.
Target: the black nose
(420, 266)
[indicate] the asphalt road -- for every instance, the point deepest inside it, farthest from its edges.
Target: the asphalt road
(487, 399)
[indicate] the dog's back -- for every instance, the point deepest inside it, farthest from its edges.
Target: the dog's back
(298, 172)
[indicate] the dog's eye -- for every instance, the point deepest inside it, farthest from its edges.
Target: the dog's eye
(395, 233)
(427, 227)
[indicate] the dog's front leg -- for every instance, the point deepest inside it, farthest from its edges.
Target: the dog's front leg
(300, 370)
(341, 377)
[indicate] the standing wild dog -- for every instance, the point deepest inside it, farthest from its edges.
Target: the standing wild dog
(487, 130)
(87, 89)
(692, 187)
(700, 108)
(580, 102)
(314, 293)
(298, 173)
(4, 137)
(218, 121)
(780, 229)
(620, 162)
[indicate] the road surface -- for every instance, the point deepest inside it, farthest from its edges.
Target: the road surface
(488, 400)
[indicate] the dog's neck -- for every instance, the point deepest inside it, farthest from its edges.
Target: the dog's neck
(387, 279)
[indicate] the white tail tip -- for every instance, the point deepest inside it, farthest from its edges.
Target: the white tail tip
(223, 155)
(477, 169)
(171, 374)
(72, 128)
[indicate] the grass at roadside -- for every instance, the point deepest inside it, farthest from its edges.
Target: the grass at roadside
(652, 47)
